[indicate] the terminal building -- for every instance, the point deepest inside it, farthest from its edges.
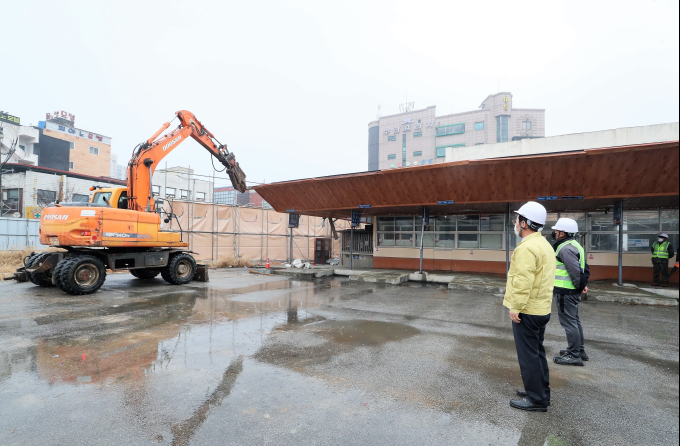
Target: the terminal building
(471, 193)
(420, 137)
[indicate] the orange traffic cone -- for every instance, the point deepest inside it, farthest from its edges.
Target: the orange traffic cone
(267, 267)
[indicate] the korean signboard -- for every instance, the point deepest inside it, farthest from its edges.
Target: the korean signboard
(4, 117)
(60, 115)
(77, 132)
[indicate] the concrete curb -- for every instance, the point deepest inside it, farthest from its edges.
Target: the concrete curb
(389, 280)
(633, 300)
(477, 288)
(293, 272)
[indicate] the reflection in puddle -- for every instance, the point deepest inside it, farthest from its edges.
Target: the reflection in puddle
(366, 333)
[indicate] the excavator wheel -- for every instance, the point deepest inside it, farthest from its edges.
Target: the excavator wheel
(43, 279)
(80, 274)
(145, 273)
(180, 269)
(56, 274)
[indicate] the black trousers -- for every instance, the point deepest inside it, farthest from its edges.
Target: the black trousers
(567, 311)
(660, 270)
(529, 335)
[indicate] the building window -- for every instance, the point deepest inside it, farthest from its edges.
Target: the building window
(72, 146)
(441, 152)
(80, 198)
(392, 157)
(418, 153)
(170, 192)
(403, 149)
(156, 190)
(479, 125)
(526, 125)
(417, 134)
(445, 231)
(183, 194)
(94, 150)
(392, 138)
(45, 197)
(200, 196)
(11, 201)
(71, 165)
(452, 129)
(479, 144)
(502, 128)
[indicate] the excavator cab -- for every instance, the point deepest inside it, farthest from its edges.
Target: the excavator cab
(115, 197)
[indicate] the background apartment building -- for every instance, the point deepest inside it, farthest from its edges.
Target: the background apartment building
(89, 153)
(420, 137)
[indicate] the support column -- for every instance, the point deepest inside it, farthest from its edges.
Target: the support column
(351, 245)
(422, 235)
(621, 245)
(507, 239)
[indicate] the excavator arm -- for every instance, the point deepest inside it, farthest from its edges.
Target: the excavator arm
(148, 155)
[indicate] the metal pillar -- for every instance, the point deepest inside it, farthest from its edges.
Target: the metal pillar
(422, 235)
(351, 246)
(621, 246)
(291, 246)
(507, 239)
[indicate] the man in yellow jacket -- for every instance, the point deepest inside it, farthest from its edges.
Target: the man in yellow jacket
(528, 295)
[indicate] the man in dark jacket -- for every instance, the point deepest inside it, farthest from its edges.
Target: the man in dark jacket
(571, 279)
(675, 267)
(661, 252)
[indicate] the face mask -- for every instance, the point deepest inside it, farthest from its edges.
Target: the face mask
(660, 240)
(517, 232)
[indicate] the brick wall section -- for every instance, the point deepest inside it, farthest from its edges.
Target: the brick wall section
(83, 161)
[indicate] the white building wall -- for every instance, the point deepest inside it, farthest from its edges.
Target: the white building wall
(27, 135)
(31, 181)
(182, 179)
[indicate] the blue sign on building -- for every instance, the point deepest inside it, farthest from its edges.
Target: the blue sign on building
(446, 202)
(548, 198)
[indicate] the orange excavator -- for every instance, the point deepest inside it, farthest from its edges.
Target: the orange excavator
(120, 228)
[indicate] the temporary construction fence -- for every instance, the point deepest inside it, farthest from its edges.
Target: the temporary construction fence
(18, 233)
(215, 231)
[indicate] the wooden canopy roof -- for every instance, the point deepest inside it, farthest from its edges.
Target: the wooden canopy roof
(644, 176)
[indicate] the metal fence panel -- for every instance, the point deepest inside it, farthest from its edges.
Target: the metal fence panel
(19, 233)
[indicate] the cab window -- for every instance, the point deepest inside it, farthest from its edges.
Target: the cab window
(99, 198)
(122, 200)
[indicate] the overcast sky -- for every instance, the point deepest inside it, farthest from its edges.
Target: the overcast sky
(291, 86)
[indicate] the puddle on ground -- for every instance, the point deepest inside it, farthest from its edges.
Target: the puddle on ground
(364, 333)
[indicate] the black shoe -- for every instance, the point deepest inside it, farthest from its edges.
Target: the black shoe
(657, 284)
(564, 352)
(523, 404)
(584, 356)
(523, 394)
(568, 360)
(665, 284)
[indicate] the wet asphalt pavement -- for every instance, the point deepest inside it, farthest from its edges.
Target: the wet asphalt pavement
(249, 359)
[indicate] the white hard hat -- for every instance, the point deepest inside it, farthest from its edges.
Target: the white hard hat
(663, 234)
(533, 211)
(566, 225)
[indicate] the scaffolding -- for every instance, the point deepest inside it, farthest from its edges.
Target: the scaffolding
(214, 231)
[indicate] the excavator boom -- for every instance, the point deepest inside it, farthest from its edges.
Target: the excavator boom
(149, 154)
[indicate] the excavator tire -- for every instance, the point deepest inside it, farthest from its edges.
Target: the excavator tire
(145, 273)
(56, 274)
(80, 274)
(180, 269)
(43, 279)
